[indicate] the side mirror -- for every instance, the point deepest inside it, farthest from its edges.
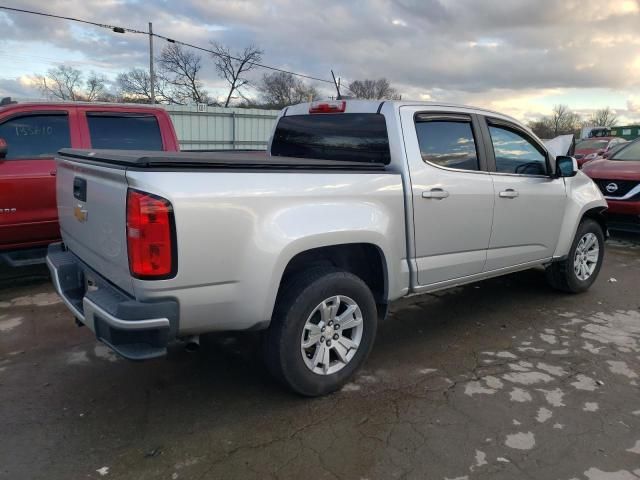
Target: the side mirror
(566, 166)
(4, 149)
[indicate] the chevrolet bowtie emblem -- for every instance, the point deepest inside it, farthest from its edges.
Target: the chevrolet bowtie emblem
(80, 214)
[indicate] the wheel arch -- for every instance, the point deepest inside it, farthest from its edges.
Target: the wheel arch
(597, 214)
(366, 260)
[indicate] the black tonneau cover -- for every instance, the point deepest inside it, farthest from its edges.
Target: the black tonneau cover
(215, 160)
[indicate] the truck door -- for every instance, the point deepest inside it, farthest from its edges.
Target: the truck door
(28, 214)
(451, 190)
(529, 200)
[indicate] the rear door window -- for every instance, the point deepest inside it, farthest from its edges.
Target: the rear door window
(447, 143)
(355, 137)
(124, 131)
(35, 136)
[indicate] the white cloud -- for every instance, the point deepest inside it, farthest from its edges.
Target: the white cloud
(633, 104)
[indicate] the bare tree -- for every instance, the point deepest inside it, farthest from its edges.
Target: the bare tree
(279, 89)
(62, 82)
(604, 117)
(563, 121)
(180, 69)
(233, 68)
(134, 86)
(67, 83)
(95, 88)
(379, 89)
(542, 127)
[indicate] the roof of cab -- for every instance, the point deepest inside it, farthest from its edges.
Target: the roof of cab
(373, 106)
(31, 104)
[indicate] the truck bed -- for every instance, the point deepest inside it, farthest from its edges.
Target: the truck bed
(239, 218)
(134, 159)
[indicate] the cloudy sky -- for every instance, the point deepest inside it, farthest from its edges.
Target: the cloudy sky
(517, 56)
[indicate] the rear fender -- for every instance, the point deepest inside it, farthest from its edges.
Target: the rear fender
(379, 236)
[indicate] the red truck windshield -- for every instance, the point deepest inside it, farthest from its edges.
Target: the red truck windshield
(354, 137)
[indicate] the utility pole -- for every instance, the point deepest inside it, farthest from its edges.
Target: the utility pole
(152, 76)
(337, 85)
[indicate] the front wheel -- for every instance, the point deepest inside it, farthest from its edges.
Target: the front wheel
(322, 330)
(578, 272)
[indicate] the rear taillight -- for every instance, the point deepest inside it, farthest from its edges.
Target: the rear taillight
(150, 236)
(328, 107)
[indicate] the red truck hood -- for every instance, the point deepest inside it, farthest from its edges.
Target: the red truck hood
(613, 169)
(587, 151)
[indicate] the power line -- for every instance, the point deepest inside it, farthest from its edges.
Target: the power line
(118, 29)
(72, 19)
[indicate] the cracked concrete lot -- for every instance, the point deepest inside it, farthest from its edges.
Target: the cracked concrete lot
(505, 379)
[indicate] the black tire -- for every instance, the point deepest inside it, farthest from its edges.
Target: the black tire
(562, 276)
(296, 301)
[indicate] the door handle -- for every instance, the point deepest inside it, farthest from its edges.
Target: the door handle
(508, 193)
(435, 193)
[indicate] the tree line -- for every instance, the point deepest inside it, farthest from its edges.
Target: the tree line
(178, 81)
(564, 121)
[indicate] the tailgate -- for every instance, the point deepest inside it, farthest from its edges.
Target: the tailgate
(92, 204)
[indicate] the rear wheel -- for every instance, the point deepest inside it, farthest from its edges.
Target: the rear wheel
(578, 272)
(322, 330)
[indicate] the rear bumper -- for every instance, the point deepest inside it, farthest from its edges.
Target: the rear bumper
(134, 330)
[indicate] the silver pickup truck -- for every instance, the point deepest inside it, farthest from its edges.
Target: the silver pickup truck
(356, 204)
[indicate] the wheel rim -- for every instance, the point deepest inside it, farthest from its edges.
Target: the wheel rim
(586, 256)
(331, 335)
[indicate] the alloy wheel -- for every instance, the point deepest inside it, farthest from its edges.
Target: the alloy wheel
(586, 256)
(332, 335)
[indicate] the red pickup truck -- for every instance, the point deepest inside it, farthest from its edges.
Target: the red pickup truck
(31, 134)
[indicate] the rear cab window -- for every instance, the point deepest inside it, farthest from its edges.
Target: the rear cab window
(354, 137)
(124, 131)
(35, 136)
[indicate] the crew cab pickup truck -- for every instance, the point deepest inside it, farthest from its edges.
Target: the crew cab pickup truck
(357, 204)
(31, 134)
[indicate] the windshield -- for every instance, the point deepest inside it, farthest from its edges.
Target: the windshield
(629, 152)
(592, 144)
